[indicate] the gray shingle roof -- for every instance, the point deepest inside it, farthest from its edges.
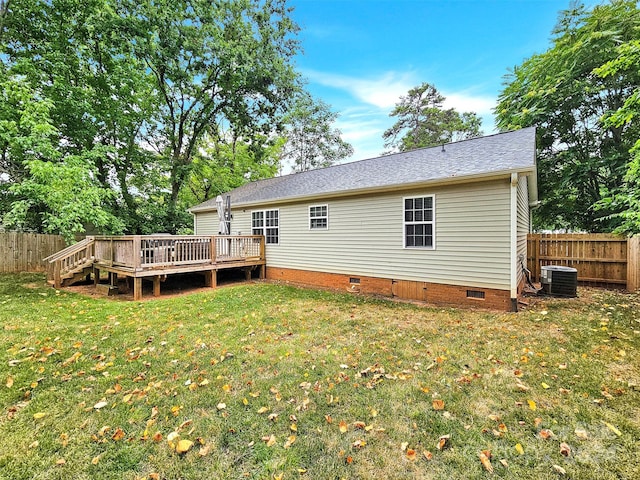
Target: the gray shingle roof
(500, 153)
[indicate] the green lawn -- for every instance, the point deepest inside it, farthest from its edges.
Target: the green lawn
(272, 382)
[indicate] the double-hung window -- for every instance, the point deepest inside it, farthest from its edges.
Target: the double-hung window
(319, 217)
(419, 222)
(267, 223)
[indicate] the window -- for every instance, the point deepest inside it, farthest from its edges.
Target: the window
(267, 223)
(419, 223)
(319, 217)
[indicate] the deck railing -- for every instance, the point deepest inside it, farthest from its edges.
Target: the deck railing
(152, 251)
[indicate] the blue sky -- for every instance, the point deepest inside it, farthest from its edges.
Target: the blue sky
(360, 56)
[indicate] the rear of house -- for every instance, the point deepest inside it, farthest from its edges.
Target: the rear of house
(445, 225)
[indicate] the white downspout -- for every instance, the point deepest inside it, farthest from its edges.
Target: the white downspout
(513, 283)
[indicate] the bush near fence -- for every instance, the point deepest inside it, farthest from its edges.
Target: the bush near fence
(23, 252)
(601, 259)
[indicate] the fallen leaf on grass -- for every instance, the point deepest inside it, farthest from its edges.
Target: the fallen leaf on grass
(546, 434)
(519, 449)
(290, 441)
(262, 410)
(559, 470)
(39, 415)
(565, 449)
(95, 460)
(172, 439)
(613, 428)
(270, 440)
(204, 450)
(221, 406)
(428, 455)
(343, 426)
(184, 446)
(411, 454)
(532, 405)
(438, 404)
(118, 434)
(9, 382)
(443, 442)
(61, 461)
(358, 444)
(581, 434)
(100, 404)
(486, 463)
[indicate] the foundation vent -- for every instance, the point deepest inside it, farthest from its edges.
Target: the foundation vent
(475, 294)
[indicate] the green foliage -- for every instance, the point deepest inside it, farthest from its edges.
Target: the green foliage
(221, 165)
(133, 89)
(626, 200)
(423, 122)
(311, 141)
(582, 159)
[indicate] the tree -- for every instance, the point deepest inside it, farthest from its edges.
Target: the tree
(225, 162)
(582, 159)
(423, 122)
(627, 199)
(311, 140)
(133, 88)
(214, 64)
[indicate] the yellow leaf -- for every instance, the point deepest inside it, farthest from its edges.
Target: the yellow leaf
(127, 398)
(245, 402)
(226, 387)
(204, 382)
(503, 428)
(613, 428)
(559, 469)
(404, 445)
(270, 440)
(519, 449)
(290, 441)
(61, 461)
(343, 426)
(184, 446)
(358, 444)
(262, 410)
(532, 404)
(95, 460)
(118, 434)
(545, 386)
(293, 427)
(411, 454)
(9, 382)
(278, 476)
(39, 415)
(438, 404)
(172, 439)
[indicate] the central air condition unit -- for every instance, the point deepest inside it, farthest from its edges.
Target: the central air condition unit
(559, 281)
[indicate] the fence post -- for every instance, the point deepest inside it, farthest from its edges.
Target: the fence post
(633, 263)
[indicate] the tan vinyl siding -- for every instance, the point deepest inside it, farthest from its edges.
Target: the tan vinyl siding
(523, 224)
(206, 223)
(365, 237)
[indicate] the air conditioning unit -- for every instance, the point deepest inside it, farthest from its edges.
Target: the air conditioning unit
(559, 281)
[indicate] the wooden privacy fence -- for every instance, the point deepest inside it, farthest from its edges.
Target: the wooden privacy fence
(600, 258)
(24, 252)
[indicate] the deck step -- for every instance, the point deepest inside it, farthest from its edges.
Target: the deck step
(77, 275)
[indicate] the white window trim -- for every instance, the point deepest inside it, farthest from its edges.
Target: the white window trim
(321, 229)
(264, 224)
(405, 223)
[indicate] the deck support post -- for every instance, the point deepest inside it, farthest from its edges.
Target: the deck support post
(247, 274)
(96, 276)
(263, 273)
(137, 288)
(156, 286)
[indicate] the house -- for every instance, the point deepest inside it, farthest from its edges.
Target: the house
(445, 225)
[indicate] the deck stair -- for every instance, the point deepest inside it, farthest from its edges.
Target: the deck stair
(71, 265)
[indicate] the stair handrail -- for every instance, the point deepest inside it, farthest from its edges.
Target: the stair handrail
(70, 250)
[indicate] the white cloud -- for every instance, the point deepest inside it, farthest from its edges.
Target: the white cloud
(383, 92)
(466, 102)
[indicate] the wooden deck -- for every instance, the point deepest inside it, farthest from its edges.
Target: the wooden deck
(153, 257)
